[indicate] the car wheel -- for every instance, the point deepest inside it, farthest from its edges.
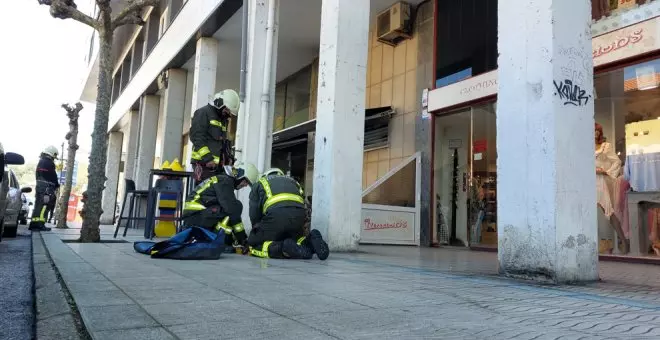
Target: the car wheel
(10, 231)
(2, 228)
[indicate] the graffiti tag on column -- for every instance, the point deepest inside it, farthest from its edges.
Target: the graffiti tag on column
(570, 93)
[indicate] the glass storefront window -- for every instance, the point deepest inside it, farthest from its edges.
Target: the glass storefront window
(466, 39)
(292, 100)
(604, 8)
(627, 153)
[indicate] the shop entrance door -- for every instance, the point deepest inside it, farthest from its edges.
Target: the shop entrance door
(465, 180)
(451, 172)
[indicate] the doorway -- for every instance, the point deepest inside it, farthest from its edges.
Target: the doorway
(465, 177)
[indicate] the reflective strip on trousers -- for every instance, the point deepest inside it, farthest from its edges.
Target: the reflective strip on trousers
(263, 253)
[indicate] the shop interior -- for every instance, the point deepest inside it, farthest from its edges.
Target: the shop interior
(465, 177)
(627, 110)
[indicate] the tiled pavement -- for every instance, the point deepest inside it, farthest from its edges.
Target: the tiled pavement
(379, 293)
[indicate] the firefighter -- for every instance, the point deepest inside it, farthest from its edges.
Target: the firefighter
(278, 215)
(213, 204)
(208, 134)
(47, 184)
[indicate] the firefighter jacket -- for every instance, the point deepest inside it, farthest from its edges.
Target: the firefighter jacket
(46, 171)
(218, 191)
(208, 134)
(274, 192)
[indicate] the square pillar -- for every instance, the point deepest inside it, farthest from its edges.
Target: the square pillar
(115, 140)
(206, 65)
(133, 134)
(547, 225)
(147, 149)
(339, 142)
(248, 141)
(174, 105)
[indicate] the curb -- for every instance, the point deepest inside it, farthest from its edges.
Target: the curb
(57, 316)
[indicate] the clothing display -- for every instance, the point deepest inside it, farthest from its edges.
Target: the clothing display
(607, 159)
(642, 168)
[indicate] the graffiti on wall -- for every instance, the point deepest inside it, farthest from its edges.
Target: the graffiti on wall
(571, 93)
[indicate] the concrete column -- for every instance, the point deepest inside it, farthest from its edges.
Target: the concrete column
(251, 111)
(133, 135)
(112, 174)
(547, 226)
(256, 64)
(174, 104)
(339, 144)
(206, 65)
(148, 129)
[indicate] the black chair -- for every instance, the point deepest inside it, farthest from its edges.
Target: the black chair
(166, 186)
(134, 207)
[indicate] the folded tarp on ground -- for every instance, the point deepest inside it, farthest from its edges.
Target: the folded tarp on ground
(191, 244)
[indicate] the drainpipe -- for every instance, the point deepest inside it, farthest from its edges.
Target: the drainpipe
(265, 90)
(238, 147)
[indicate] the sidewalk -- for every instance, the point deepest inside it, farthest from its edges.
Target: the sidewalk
(380, 293)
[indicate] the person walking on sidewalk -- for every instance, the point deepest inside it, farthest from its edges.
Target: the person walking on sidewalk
(213, 204)
(47, 184)
(278, 215)
(208, 134)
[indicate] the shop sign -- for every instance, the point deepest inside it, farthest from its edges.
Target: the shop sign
(385, 224)
(626, 42)
(464, 91)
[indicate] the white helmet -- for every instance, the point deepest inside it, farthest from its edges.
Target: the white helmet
(50, 151)
(273, 172)
(246, 171)
(226, 98)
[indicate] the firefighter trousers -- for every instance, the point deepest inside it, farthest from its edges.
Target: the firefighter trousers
(209, 219)
(267, 237)
(45, 193)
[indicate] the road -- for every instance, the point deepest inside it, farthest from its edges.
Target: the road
(16, 287)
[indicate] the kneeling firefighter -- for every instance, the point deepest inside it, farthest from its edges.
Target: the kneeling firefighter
(278, 215)
(47, 184)
(213, 204)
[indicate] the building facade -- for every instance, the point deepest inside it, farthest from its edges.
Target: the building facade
(422, 110)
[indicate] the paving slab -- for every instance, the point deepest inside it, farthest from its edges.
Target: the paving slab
(380, 292)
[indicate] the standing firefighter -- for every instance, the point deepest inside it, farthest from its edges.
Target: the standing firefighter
(213, 204)
(208, 133)
(47, 184)
(278, 215)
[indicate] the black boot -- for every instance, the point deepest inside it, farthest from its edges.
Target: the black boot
(292, 250)
(38, 227)
(318, 245)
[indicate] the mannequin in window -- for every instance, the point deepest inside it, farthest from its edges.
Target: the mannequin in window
(608, 169)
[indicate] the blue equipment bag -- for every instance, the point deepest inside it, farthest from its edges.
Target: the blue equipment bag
(191, 244)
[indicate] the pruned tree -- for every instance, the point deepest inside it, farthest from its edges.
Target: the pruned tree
(72, 112)
(104, 24)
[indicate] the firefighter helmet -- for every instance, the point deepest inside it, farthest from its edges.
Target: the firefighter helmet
(50, 151)
(227, 98)
(247, 171)
(273, 172)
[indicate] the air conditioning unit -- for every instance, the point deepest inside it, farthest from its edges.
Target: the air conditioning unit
(393, 24)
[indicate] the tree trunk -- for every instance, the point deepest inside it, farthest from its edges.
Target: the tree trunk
(72, 138)
(92, 210)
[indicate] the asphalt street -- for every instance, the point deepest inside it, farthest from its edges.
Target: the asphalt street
(16, 287)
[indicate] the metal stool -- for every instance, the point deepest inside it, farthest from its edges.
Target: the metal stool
(134, 211)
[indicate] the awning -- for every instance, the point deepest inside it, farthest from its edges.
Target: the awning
(376, 122)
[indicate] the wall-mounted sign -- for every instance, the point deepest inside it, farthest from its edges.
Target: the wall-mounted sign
(455, 143)
(626, 42)
(464, 91)
(388, 225)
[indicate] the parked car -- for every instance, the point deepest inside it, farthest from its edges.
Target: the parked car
(10, 194)
(25, 210)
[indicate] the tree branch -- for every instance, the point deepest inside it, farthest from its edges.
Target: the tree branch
(67, 9)
(132, 13)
